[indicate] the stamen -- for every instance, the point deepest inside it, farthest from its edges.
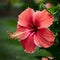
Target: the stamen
(16, 34)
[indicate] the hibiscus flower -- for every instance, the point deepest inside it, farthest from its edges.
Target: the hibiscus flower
(32, 30)
(48, 5)
(44, 59)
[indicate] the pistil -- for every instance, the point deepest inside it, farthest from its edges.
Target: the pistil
(16, 34)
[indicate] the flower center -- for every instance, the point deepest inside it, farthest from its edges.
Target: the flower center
(35, 29)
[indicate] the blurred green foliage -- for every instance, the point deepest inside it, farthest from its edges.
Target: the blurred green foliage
(11, 49)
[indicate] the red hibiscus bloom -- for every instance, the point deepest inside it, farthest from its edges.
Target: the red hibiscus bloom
(32, 29)
(48, 5)
(44, 59)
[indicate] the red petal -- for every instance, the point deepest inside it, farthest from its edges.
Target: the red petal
(28, 44)
(25, 18)
(43, 18)
(44, 38)
(25, 32)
